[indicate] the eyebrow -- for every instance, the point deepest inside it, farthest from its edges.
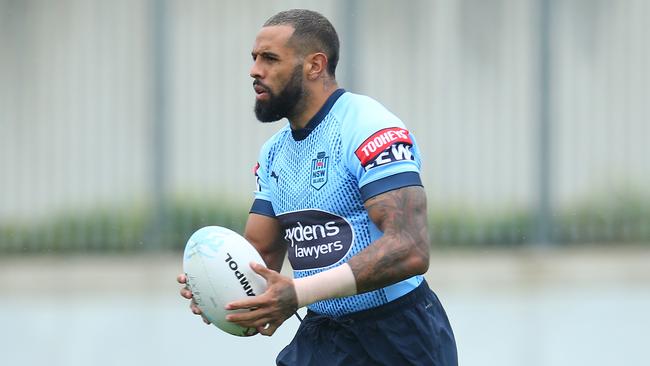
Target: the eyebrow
(265, 54)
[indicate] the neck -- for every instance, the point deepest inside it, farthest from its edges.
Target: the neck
(314, 99)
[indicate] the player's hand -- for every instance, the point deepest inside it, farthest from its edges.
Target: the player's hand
(187, 293)
(269, 310)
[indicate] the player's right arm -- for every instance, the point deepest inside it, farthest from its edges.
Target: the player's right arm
(264, 233)
(263, 229)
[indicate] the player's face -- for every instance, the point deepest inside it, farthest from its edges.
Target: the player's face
(278, 75)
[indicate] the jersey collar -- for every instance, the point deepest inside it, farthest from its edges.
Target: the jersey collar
(302, 133)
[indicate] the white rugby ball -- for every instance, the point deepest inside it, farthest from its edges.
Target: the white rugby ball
(216, 263)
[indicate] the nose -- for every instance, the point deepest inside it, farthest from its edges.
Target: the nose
(255, 71)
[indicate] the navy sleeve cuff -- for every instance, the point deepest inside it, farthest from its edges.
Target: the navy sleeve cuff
(262, 207)
(390, 183)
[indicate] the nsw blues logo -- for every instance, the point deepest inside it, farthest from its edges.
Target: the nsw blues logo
(319, 167)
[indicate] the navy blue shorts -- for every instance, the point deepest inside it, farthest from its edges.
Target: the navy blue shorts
(410, 330)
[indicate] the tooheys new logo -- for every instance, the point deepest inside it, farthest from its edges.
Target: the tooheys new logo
(384, 147)
(316, 239)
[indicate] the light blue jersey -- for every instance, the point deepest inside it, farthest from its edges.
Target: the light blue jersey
(315, 181)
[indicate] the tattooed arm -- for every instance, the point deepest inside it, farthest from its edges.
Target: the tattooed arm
(403, 250)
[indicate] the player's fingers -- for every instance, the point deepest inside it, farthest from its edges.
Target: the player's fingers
(267, 329)
(186, 293)
(195, 309)
(261, 270)
(248, 303)
(181, 278)
(254, 323)
(248, 317)
(258, 323)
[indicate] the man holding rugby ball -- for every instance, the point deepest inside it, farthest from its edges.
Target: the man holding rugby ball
(339, 192)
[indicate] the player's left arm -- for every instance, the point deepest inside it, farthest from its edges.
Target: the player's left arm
(403, 250)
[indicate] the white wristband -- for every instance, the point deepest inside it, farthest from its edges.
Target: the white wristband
(335, 282)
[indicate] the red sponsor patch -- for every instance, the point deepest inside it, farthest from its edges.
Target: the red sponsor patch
(380, 141)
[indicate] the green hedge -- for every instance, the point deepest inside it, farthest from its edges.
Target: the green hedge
(129, 229)
(120, 229)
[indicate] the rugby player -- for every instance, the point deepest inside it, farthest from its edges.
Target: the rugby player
(339, 192)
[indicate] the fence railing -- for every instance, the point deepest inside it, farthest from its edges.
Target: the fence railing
(126, 125)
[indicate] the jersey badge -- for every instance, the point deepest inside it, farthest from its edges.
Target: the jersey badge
(319, 170)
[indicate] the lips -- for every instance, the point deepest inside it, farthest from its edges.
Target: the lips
(261, 90)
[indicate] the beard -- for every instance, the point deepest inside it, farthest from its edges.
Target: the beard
(284, 104)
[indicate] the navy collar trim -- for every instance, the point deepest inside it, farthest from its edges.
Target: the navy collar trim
(302, 133)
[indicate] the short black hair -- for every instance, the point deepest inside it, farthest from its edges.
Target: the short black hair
(312, 33)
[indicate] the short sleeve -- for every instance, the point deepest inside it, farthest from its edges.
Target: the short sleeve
(380, 151)
(262, 204)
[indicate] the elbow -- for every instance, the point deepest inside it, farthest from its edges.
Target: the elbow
(419, 265)
(419, 261)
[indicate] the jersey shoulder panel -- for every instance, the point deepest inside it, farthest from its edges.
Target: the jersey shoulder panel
(360, 113)
(376, 143)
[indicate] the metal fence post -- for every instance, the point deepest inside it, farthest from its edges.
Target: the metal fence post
(155, 238)
(543, 220)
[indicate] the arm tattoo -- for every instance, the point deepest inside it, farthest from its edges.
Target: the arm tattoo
(403, 250)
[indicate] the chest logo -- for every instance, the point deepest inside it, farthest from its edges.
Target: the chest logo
(315, 238)
(319, 168)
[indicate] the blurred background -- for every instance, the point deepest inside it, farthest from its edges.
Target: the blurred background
(127, 125)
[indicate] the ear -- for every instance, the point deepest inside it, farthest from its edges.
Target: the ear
(315, 66)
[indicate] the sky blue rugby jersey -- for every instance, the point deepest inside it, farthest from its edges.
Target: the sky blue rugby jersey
(315, 180)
